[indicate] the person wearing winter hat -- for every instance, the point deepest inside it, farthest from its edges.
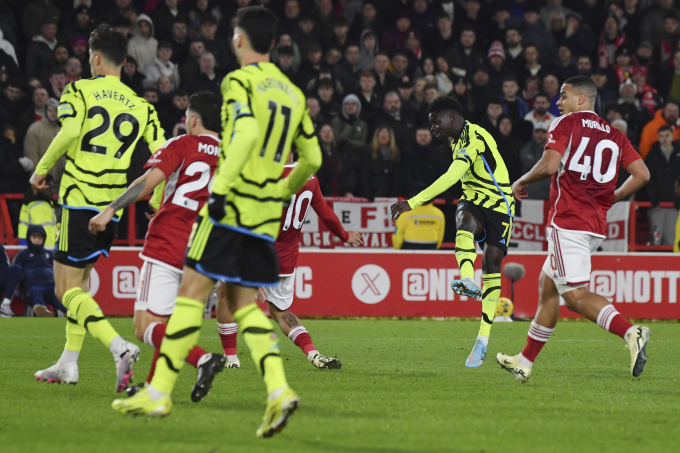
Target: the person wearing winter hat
(348, 128)
(497, 70)
(143, 46)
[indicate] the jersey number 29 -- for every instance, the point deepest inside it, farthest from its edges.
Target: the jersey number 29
(585, 167)
(126, 140)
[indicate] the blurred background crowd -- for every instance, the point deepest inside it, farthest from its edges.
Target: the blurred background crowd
(369, 69)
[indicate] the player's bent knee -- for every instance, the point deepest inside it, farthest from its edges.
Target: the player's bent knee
(571, 299)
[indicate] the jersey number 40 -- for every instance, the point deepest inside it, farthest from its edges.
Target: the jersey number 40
(585, 167)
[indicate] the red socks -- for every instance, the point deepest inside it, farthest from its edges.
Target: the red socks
(155, 332)
(537, 337)
(611, 320)
(228, 333)
(302, 340)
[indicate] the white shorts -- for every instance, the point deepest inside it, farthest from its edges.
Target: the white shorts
(568, 261)
(157, 289)
(282, 294)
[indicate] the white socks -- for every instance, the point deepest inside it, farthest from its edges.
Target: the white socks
(116, 344)
(483, 339)
(6, 301)
(525, 362)
(540, 333)
(148, 334)
(231, 358)
(69, 357)
(154, 394)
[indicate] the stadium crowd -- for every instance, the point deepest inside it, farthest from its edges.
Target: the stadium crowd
(369, 69)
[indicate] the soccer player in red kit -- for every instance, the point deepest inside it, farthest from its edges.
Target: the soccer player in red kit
(583, 155)
(280, 297)
(188, 163)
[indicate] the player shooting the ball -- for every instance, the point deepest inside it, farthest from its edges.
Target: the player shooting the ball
(484, 213)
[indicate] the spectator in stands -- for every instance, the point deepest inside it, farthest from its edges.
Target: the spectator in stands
(494, 110)
(444, 76)
(594, 15)
(579, 36)
(516, 109)
(552, 6)
(643, 58)
(347, 72)
(38, 209)
(310, 68)
(400, 120)
(464, 58)
(540, 117)
(173, 114)
(395, 39)
(565, 67)
(191, 66)
(150, 95)
(529, 155)
(481, 92)
(36, 14)
(114, 13)
(74, 70)
(405, 90)
(14, 169)
(381, 163)
(332, 57)
(40, 135)
(315, 112)
(387, 81)
(633, 15)
(584, 66)
(131, 77)
(326, 19)
(82, 25)
(12, 101)
(423, 227)
(161, 66)
(306, 33)
(369, 48)
(509, 147)
(669, 79)
(649, 96)
(143, 47)
(219, 47)
(9, 281)
(534, 32)
(631, 108)
(340, 35)
(33, 114)
(56, 82)
(37, 274)
(514, 52)
(461, 94)
(370, 101)
(663, 162)
(179, 41)
(498, 27)
(368, 19)
(348, 128)
(623, 68)
(551, 87)
(164, 15)
(325, 90)
(610, 40)
(443, 38)
(336, 176)
(164, 91)
(653, 21)
(79, 50)
(285, 61)
(61, 56)
(497, 69)
(533, 69)
(400, 65)
(605, 96)
(666, 42)
(668, 116)
(422, 16)
(40, 51)
(423, 162)
(207, 78)
(287, 41)
(289, 22)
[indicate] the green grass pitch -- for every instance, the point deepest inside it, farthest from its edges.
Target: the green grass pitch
(403, 388)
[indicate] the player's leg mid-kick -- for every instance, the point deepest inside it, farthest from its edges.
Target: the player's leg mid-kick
(470, 228)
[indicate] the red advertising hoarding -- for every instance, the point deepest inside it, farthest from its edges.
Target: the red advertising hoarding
(388, 283)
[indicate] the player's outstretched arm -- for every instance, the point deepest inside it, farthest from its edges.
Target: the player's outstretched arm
(309, 157)
(445, 181)
(70, 131)
(139, 189)
(639, 176)
(544, 168)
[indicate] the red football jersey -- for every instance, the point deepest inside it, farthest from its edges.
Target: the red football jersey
(188, 162)
(582, 190)
(288, 242)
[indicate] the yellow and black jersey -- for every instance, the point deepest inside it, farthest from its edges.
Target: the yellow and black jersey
(420, 228)
(481, 170)
(101, 121)
(263, 115)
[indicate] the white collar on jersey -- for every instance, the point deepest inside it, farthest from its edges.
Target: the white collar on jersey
(294, 164)
(211, 136)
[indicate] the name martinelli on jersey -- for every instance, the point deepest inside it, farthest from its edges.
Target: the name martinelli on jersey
(113, 94)
(269, 83)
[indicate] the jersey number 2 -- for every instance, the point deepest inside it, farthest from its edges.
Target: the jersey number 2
(585, 167)
(285, 111)
(125, 140)
(180, 198)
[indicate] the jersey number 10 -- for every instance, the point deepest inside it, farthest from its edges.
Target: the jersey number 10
(585, 167)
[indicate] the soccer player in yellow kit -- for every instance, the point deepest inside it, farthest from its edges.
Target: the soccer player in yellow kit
(263, 114)
(484, 213)
(101, 122)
